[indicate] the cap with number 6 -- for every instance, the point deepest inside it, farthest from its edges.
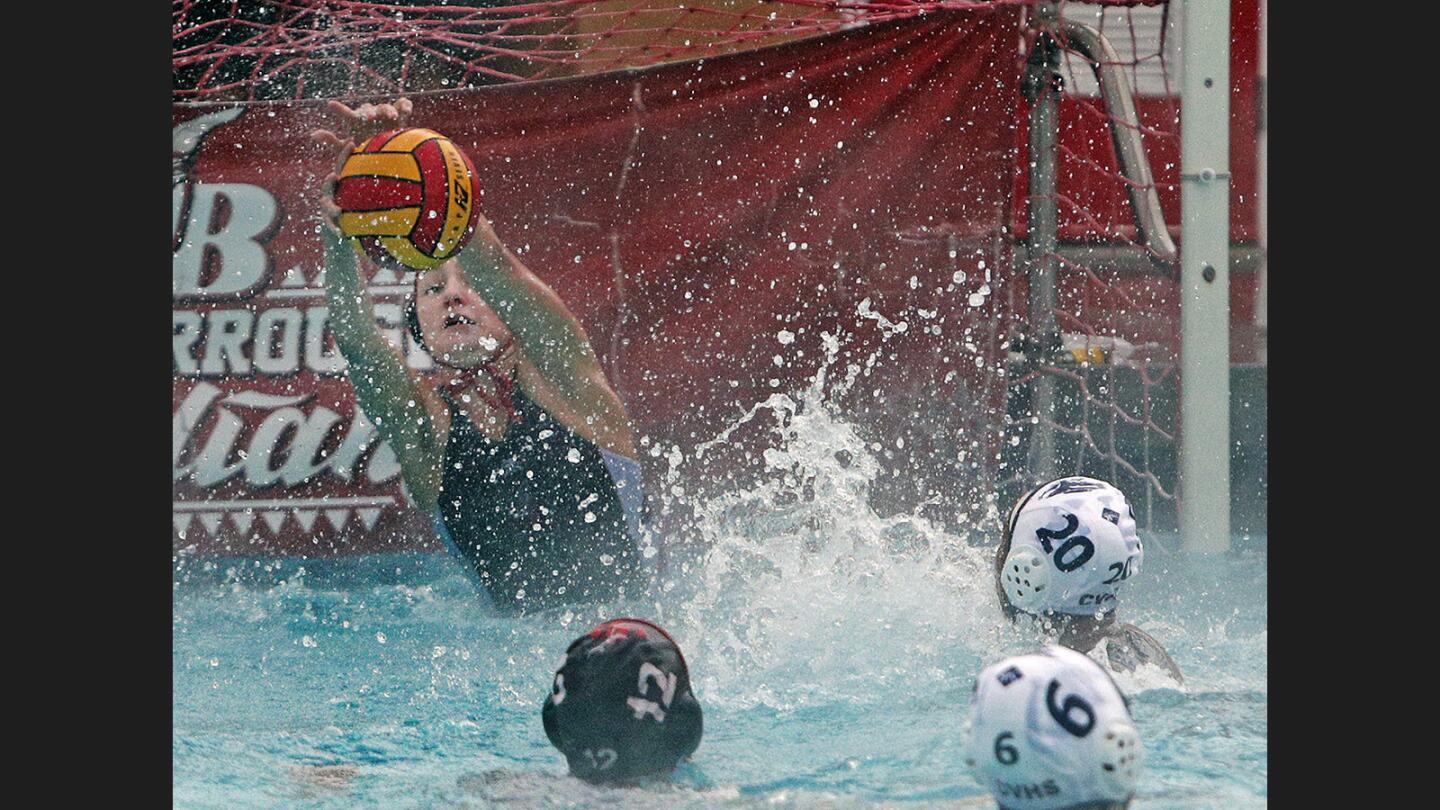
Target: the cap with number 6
(1050, 731)
(621, 707)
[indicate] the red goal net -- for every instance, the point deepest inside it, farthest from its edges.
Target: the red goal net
(255, 50)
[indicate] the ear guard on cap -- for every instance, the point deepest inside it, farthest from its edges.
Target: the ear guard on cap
(1024, 577)
(967, 733)
(1119, 753)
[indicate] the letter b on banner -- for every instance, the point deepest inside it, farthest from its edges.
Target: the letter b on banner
(222, 254)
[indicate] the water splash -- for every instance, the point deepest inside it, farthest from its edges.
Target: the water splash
(803, 594)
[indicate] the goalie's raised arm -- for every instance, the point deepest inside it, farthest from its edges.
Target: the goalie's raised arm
(560, 367)
(392, 395)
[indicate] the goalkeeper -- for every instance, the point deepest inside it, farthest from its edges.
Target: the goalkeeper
(516, 445)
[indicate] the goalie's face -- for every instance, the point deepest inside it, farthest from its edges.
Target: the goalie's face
(459, 328)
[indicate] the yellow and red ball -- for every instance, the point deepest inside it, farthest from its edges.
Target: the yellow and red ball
(409, 195)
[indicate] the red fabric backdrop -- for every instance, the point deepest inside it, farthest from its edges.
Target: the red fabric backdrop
(687, 214)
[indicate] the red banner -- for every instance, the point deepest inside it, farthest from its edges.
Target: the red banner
(708, 222)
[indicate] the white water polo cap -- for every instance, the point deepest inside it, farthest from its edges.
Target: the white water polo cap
(1051, 730)
(1072, 544)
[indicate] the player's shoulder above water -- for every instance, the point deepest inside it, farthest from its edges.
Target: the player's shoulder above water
(1128, 648)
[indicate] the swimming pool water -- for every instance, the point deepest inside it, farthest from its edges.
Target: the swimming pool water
(379, 681)
(832, 650)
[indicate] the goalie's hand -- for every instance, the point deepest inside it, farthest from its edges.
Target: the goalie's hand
(330, 212)
(362, 122)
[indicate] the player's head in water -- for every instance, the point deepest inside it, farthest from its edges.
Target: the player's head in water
(451, 321)
(1050, 731)
(1068, 548)
(1069, 545)
(621, 707)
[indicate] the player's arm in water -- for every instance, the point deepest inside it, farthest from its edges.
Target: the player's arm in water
(391, 394)
(560, 368)
(1127, 647)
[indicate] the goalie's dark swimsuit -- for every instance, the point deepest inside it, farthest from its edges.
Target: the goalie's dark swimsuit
(543, 517)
